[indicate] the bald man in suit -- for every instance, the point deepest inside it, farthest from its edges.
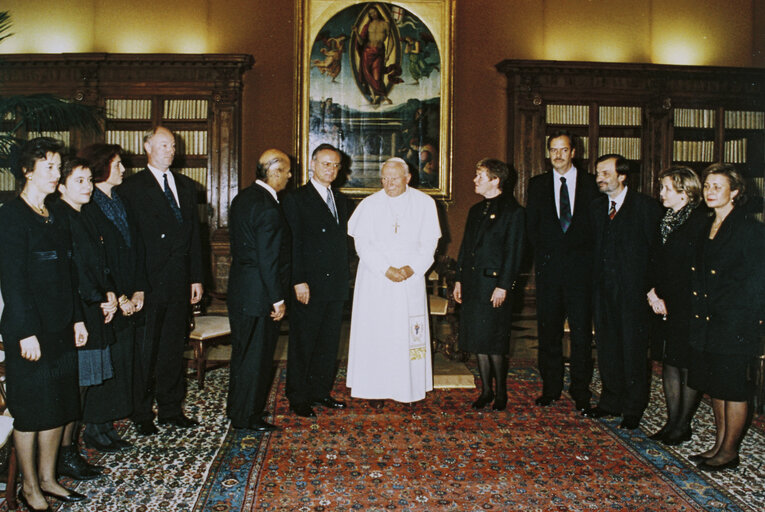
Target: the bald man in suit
(258, 287)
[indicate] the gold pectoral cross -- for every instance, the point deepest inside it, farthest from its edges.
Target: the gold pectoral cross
(395, 227)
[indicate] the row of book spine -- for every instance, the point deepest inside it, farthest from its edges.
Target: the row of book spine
(198, 174)
(628, 147)
(693, 150)
(185, 109)
(128, 109)
(130, 141)
(694, 118)
(58, 135)
(7, 181)
(735, 151)
(568, 114)
(745, 120)
(194, 141)
(620, 116)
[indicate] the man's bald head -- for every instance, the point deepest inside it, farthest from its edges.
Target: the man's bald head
(274, 168)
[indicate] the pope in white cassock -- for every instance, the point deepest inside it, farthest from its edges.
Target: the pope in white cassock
(395, 231)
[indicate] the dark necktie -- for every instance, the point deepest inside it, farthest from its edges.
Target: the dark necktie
(173, 204)
(565, 206)
(612, 210)
(331, 203)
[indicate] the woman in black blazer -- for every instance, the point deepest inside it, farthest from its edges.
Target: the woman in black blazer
(728, 297)
(670, 297)
(106, 212)
(41, 323)
(488, 264)
(98, 302)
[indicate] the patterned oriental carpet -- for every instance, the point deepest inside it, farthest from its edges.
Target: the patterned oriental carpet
(434, 455)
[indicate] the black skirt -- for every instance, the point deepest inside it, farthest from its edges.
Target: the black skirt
(113, 399)
(727, 377)
(43, 394)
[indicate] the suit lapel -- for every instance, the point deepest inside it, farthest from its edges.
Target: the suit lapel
(319, 203)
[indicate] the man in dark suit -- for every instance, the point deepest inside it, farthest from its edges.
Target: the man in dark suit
(257, 289)
(318, 218)
(559, 230)
(163, 204)
(625, 224)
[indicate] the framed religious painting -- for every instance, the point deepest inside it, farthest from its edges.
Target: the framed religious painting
(375, 82)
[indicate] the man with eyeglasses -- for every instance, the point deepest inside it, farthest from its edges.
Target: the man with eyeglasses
(559, 231)
(317, 215)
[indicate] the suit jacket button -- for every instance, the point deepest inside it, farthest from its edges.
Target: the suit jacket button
(323, 230)
(707, 319)
(695, 293)
(162, 235)
(693, 269)
(713, 272)
(696, 316)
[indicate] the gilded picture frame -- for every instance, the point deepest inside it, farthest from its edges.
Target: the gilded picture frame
(375, 82)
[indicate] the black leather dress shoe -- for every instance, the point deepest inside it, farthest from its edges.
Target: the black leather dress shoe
(70, 497)
(630, 422)
(145, 428)
(91, 442)
(179, 421)
(597, 412)
(303, 410)
(71, 464)
(257, 426)
(545, 400)
(581, 405)
(731, 464)
(659, 434)
(330, 403)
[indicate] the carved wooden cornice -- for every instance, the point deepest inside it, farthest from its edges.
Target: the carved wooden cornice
(537, 82)
(88, 71)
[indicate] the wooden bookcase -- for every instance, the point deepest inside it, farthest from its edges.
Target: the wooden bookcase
(198, 97)
(654, 115)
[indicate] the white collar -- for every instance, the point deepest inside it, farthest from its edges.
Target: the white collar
(268, 188)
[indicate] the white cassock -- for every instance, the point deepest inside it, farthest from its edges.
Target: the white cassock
(389, 352)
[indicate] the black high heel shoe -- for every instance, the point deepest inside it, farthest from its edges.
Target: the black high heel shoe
(483, 401)
(72, 497)
(659, 434)
(23, 499)
(499, 404)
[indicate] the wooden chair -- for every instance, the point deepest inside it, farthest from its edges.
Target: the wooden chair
(7, 443)
(209, 345)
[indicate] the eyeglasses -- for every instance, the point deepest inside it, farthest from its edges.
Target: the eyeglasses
(329, 165)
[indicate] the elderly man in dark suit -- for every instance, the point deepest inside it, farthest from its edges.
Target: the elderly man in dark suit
(318, 218)
(163, 205)
(558, 227)
(257, 289)
(625, 224)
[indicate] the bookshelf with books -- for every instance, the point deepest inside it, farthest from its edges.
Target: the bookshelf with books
(655, 115)
(198, 97)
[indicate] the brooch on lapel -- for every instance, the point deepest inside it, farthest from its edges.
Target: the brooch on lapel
(492, 216)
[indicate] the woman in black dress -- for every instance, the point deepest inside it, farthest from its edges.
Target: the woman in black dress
(98, 302)
(41, 323)
(488, 264)
(113, 399)
(728, 306)
(671, 297)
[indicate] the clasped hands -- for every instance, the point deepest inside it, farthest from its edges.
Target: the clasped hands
(398, 275)
(123, 304)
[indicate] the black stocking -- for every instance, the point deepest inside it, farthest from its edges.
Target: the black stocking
(689, 401)
(499, 365)
(672, 382)
(484, 370)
